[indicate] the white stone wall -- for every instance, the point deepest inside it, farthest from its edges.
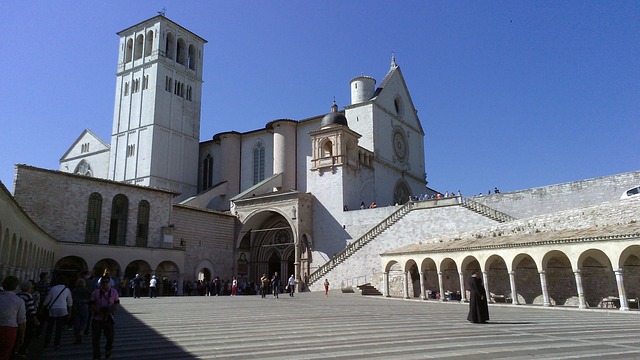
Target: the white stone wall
(417, 225)
(547, 199)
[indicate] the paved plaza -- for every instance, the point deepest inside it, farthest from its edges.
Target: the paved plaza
(348, 326)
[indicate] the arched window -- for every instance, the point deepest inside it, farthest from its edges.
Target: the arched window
(258, 163)
(128, 51)
(207, 172)
(149, 43)
(83, 168)
(142, 230)
(181, 55)
(118, 226)
(94, 213)
(138, 49)
(169, 48)
(327, 149)
(192, 57)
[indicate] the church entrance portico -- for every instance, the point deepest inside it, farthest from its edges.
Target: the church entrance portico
(269, 238)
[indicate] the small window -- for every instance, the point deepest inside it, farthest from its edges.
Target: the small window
(126, 88)
(397, 103)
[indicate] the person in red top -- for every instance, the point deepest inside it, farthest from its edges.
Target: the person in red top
(103, 302)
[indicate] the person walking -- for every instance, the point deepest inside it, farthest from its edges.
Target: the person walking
(234, 286)
(26, 294)
(59, 302)
(42, 288)
(153, 287)
(326, 288)
(275, 284)
(137, 284)
(80, 313)
(13, 317)
(291, 285)
(478, 307)
(264, 284)
(104, 302)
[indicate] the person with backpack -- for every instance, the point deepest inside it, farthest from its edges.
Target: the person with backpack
(104, 302)
(57, 304)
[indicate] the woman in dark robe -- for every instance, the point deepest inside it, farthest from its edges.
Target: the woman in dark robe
(478, 308)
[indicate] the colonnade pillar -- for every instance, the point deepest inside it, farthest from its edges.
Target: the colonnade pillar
(624, 305)
(405, 287)
(385, 284)
(581, 300)
(423, 296)
(463, 293)
(440, 286)
(514, 290)
(485, 281)
(545, 291)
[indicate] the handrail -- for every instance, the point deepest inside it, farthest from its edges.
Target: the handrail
(354, 246)
(486, 211)
(360, 242)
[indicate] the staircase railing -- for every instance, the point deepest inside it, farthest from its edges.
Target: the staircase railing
(486, 211)
(360, 242)
(393, 218)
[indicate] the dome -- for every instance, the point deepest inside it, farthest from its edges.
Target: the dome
(334, 117)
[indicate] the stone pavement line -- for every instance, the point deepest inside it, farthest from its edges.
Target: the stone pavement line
(348, 326)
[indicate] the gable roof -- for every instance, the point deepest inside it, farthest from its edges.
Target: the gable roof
(87, 132)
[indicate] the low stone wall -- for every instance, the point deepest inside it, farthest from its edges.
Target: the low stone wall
(552, 198)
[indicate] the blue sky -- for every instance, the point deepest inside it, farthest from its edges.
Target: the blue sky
(510, 94)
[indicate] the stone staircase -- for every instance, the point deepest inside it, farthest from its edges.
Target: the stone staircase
(370, 235)
(368, 289)
(485, 210)
(360, 242)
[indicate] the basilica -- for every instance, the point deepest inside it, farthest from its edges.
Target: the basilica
(330, 196)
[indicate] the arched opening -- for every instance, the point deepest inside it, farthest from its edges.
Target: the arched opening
(107, 265)
(598, 278)
(327, 149)
(207, 172)
(139, 267)
(527, 279)
(119, 213)
(561, 282)
(170, 46)
(167, 273)
(138, 48)
(192, 57)
(128, 52)
(68, 269)
(401, 192)
(497, 278)
(630, 263)
(414, 279)
(149, 43)
(430, 272)
(450, 277)
(204, 274)
(142, 229)
(181, 54)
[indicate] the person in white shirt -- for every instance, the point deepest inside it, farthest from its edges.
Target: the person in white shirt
(153, 287)
(59, 302)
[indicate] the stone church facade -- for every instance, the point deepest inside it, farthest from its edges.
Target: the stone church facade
(287, 197)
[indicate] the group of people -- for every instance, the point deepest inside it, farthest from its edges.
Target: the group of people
(273, 285)
(215, 287)
(27, 308)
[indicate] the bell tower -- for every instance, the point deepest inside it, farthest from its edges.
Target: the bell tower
(156, 119)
